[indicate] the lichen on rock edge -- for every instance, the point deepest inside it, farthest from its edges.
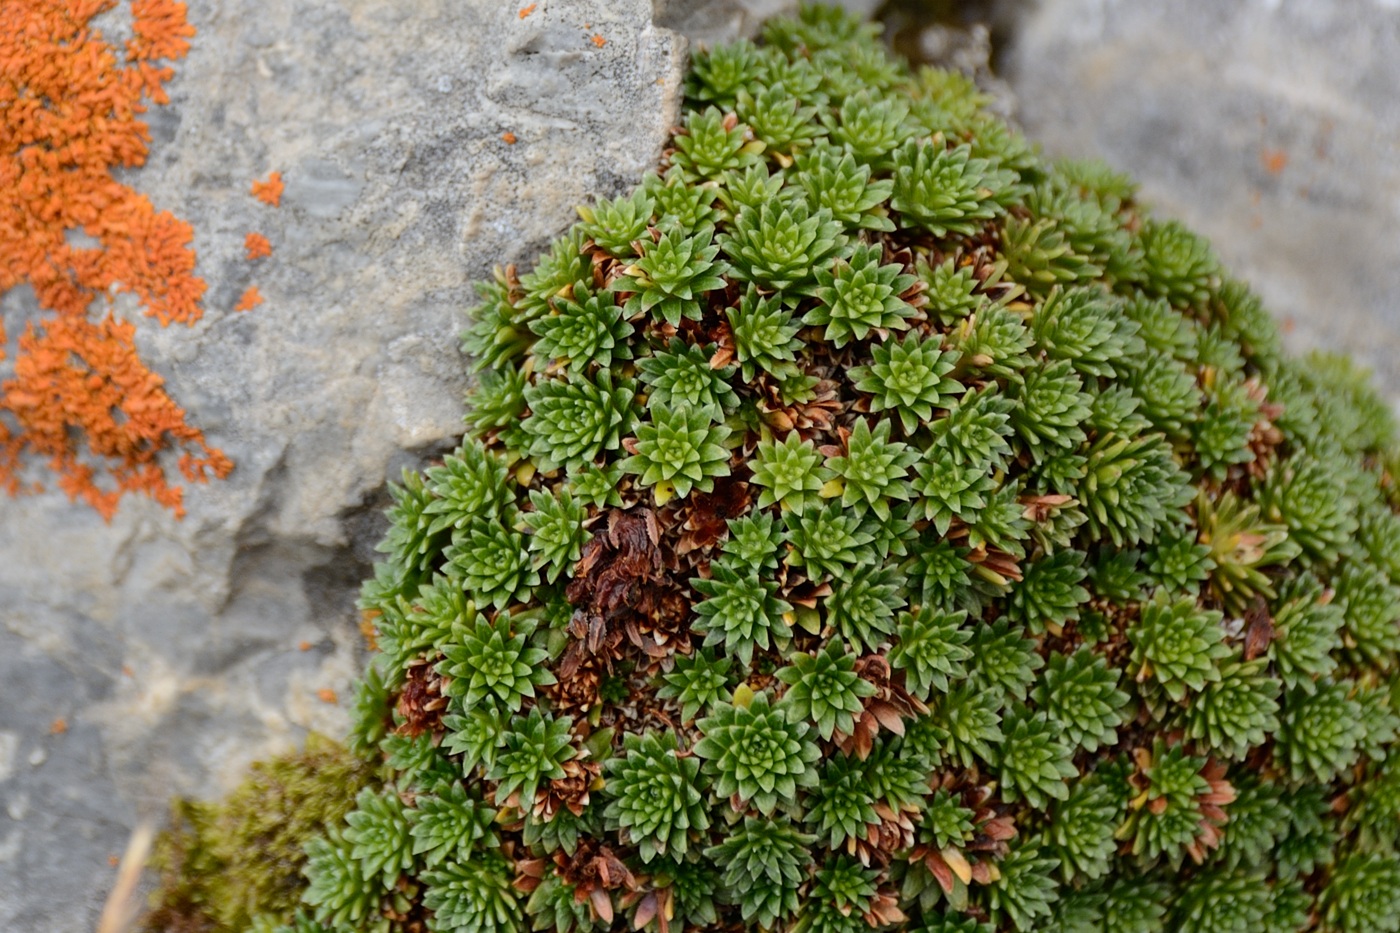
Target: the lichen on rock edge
(80, 398)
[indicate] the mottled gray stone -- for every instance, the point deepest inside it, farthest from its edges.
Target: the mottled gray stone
(1271, 126)
(171, 647)
(710, 22)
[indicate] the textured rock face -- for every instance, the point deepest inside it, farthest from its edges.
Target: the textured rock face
(1269, 126)
(177, 652)
(714, 21)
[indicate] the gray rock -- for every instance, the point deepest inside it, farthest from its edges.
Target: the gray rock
(171, 648)
(1271, 126)
(710, 22)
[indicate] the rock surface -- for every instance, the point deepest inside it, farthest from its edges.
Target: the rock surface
(1271, 126)
(712, 21)
(174, 653)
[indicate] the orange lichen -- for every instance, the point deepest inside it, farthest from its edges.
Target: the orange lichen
(327, 695)
(270, 191)
(249, 300)
(257, 246)
(598, 40)
(508, 137)
(368, 630)
(58, 726)
(79, 397)
(526, 10)
(1273, 160)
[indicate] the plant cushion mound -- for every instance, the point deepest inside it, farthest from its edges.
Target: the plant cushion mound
(871, 525)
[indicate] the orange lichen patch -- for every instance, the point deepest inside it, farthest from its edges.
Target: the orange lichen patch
(367, 629)
(79, 397)
(58, 726)
(121, 406)
(508, 137)
(598, 40)
(526, 10)
(303, 646)
(1274, 160)
(269, 192)
(327, 695)
(249, 300)
(257, 246)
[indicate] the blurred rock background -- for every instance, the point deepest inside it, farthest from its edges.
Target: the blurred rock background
(152, 657)
(1270, 126)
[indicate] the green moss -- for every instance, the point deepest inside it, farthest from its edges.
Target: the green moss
(236, 864)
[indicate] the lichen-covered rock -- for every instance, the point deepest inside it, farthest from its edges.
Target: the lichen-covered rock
(869, 525)
(170, 649)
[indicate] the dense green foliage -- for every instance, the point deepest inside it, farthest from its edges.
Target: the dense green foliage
(237, 864)
(869, 525)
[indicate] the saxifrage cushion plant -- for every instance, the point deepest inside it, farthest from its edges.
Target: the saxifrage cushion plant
(870, 525)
